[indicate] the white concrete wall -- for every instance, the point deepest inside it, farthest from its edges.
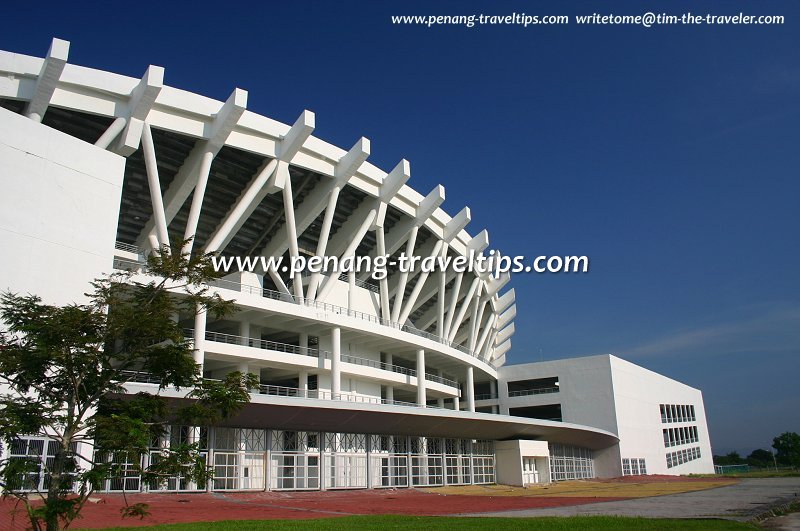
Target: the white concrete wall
(638, 393)
(585, 391)
(621, 397)
(58, 210)
(508, 460)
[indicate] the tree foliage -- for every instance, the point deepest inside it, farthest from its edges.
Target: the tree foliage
(760, 458)
(66, 367)
(787, 447)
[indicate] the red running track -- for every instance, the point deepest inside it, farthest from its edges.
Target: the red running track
(176, 508)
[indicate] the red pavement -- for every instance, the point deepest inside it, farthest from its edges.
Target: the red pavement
(176, 508)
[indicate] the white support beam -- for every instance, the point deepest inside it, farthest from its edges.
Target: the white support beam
(260, 186)
(350, 251)
(507, 316)
(317, 200)
(185, 180)
(116, 127)
(479, 242)
(390, 187)
(140, 102)
(128, 141)
(501, 349)
(154, 183)
(441, 304)
(505, 333)
(487, 329)
(496, 284)
(473, 331)
(226, 119)
(501, 303)
(451, 310)
(476, 323)
(198, 196)
(464, 305)
(291, 227)
(349, 164)
(293, 141)
(265, 182)
(46, 82)
(457, 224)
(423, 277)
(380, 244)
(276, 278)
(429, 204)
(401, 286)
(143, 96)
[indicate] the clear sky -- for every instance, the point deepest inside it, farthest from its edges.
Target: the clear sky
(668, 155)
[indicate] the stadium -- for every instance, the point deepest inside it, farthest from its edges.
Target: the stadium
(401, 381)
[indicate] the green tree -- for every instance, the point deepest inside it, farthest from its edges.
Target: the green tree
(733, 458)
(65, 368)
(787, 447)
(760, 458)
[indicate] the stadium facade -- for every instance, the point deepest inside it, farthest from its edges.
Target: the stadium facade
(364, 383)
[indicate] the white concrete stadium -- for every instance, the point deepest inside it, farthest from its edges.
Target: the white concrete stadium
(364, 383)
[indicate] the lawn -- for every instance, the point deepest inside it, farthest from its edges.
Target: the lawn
(449, 523)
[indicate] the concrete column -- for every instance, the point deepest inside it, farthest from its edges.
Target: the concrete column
(351, 288)
(493, 388)
(421, 391)
(244, 331)
(389, 389)
(303, 383)
(439, 401)
(336, 354)
(456, 403)
(200, 338)
(470, 390)
(303, 341)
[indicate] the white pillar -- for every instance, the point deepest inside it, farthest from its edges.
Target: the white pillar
(351, 288)
(303, 342)
(439, 401)
(421, 394)
(470, 390)
(303, 383)
(336, 353)
(244, 331)
(456, 403)
(200, 338)
(389, 389)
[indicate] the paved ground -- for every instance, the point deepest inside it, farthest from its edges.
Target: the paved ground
(784, 523)
(623, 488)
(741, 501)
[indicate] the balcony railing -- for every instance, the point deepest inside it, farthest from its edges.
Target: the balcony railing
(120, 263)
(291, 392)
(440, 379)
(231, 339)
(486, 396)
(366, 362)
(528, 392)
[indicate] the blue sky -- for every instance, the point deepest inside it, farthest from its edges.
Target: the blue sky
(668, 155)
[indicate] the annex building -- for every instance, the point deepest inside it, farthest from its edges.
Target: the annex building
(364, 383)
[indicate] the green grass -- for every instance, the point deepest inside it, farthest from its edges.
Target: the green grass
(449, 523)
